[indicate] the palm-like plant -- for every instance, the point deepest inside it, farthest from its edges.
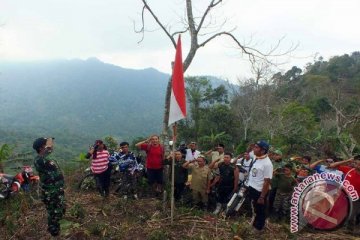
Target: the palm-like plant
(213, 138)
(5, 153)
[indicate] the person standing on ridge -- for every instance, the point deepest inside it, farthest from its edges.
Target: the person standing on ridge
(51, 182)
(100, 166)
(154, 161)
(259, 183)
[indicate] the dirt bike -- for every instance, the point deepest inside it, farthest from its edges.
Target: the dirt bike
(238, 198)
(120, 171)
(24, 180)
(88, 181)
(130, 174)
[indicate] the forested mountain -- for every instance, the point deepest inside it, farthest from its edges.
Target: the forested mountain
(81, 97)
(78, 101)
(313, 110)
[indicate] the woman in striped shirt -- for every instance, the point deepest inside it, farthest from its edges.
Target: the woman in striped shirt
(100, 167)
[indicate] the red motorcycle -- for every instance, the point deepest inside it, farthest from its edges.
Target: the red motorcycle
(24, 180)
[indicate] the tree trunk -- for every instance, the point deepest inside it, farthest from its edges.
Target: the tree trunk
(165, 130)
(245, 131)
(164, 134)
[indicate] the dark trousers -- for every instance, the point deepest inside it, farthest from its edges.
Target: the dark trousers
(178, 191)
(224, 194)
(272, 195)
(103, 182)
(259, 209)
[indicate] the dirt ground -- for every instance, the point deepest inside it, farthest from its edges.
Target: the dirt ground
(89, 216)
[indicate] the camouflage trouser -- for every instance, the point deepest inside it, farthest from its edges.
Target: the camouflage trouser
(55, 205)
(354, 218)
(130, 184)
(282, 203)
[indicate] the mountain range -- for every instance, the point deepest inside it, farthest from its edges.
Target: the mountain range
(81, 97)
(77, 101)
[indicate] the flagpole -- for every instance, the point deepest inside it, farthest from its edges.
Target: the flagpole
(173, 174)
(177, 109)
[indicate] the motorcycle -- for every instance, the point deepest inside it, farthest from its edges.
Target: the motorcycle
(130, 172)
(238, 198)
(24, 180)
(120, 171)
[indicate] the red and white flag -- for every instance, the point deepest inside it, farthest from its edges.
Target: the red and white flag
(177, 99)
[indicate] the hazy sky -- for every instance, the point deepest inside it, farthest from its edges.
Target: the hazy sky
(53, 29)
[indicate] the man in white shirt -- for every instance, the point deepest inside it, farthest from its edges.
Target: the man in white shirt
(192, 153)
(259, 182)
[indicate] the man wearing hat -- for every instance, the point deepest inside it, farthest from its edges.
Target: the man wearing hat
(259, 182)
(51, 182)
(200, 181)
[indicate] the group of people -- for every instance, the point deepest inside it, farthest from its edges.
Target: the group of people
(270, 179)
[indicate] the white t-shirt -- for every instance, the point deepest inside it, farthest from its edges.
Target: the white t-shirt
(261, 169)
(191, 155)
(246, 165)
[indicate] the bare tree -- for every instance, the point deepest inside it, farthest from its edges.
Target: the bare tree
(343, 115)
(344, 119)
(252, 98)
(202, 30)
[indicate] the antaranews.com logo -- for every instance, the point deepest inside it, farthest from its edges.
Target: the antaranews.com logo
(322, 201)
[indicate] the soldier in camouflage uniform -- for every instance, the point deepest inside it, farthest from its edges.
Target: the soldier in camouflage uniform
(285, 185)
(52, 184)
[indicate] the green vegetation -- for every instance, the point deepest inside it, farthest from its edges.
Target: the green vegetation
(315, 112)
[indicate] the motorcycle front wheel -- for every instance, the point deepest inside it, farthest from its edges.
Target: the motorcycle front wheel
(4, 191)
(88, 183)
(236, 203)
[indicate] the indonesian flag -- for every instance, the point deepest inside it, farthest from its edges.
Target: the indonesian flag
(177, 99)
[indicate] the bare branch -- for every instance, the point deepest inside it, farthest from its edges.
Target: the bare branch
(146, 6)
(179, 32)
(206, 22)
(142, 29)
(193, 32)
(242, 47)
(217, 29)
(208, 9)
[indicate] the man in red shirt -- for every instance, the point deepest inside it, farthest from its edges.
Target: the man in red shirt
(154, 161)
(351, 170)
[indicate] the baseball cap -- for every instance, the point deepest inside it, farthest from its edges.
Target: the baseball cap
(264, 145)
